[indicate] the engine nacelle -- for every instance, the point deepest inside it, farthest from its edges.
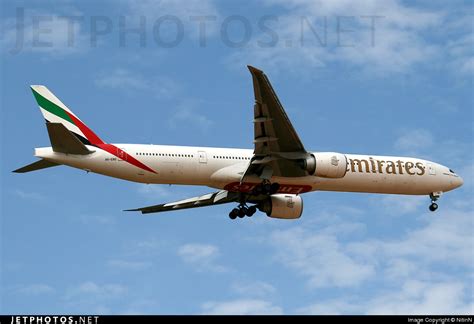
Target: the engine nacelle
(329, 165)
(282, 206)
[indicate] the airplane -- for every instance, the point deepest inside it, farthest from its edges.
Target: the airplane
(270, 177)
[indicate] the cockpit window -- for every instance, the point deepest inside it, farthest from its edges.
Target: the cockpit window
(450, 170)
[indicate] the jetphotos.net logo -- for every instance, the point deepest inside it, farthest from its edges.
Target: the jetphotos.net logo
(54, 320)
(69, 32)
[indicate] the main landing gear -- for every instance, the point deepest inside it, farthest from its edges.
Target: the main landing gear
(434, 196)
(265, 188)
(242, 211)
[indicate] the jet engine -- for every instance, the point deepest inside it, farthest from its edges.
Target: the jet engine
(282, 206)
(326, 165)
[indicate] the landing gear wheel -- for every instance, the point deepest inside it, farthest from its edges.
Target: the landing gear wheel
(234, 213)
(251, 210)
(242, 212)
(433, 207)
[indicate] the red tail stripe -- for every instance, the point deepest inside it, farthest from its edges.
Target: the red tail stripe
(88, 133)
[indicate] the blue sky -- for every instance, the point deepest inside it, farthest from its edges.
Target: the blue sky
(392, 78)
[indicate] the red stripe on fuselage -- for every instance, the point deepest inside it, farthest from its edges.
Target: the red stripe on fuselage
(121, 154)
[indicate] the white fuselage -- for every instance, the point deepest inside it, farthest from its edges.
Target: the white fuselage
(222, 168)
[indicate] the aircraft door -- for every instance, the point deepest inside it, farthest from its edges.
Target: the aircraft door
(431, 169)
(202, 157)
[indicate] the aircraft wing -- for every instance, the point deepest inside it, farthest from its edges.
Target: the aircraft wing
(215, 198)
(278, 149)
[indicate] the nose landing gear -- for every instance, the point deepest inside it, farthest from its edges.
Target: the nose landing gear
(433, 206)
(434, 196)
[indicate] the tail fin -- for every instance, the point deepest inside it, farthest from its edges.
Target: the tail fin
(54, 111)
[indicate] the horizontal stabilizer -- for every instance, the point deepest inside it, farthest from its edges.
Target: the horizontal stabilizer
(38, 165)
(63, 141)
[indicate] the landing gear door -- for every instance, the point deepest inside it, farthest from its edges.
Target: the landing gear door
(202, 157)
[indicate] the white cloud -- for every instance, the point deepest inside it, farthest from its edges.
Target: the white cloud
(160, 8)
(141, 307)
(400, 204)
(146, 248)
(241, 307)
(90, 287)
(153, 191)
(320, 257)
(92, 291)
(410, 271)
(131, 82)
(253, 289)
(152, 244)
(449, 234)
(128, 265)
(187, 14)
(202, 256)
(93, 297)
(331, 307)
(399, 37)
(122, 79)
(460, 44)
(423, 143)
(420, 297)
(186, 112)
(412, 297)
(414, 140)
(198, 252)
(400, 268)
(30, 195)
(35, 289)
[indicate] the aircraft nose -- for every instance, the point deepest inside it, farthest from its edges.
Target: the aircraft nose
(458, 182)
